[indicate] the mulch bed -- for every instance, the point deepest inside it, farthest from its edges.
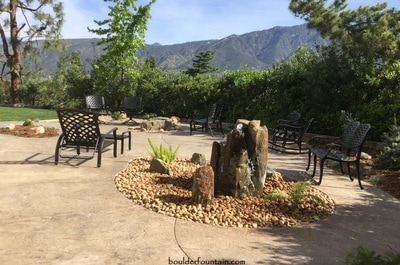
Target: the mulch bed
(31, 131)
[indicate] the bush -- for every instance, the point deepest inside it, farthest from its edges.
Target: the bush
(363, 256)
(297, 196)
(161, 152)
(390, 154)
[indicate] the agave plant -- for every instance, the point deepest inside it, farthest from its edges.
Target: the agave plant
(163, 153)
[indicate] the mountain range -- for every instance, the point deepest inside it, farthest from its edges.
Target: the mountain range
(254, 50)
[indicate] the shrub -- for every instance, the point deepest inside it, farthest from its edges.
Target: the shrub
(163, 153)
(376, 180)
(27, 122)
(116, 115)
(297, 196)
(148, 116)
(390, 154)
(362, 256)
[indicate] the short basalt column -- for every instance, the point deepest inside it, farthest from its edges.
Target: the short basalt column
(240, 163)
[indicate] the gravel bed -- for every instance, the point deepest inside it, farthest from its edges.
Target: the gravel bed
(171, 195)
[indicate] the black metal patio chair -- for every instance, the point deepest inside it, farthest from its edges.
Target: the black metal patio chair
(348, 152)
(96, 104)
(292, 118)
(80, 129)
(331, 142)
(213, 120)
(131, 106)
(289, 136)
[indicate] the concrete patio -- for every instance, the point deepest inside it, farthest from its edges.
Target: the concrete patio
(72, 213)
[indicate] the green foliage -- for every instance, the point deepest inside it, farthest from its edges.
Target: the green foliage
(332, 83)
(148, 116)
(277, 194)
(297, 195)
(123, 33)
(177, 94)
(376, 180)
(66, 88)
(364, 256)
(116, 115)
(358, 70)
(39, 20)
(389, 157)
(365, 36)
(27, 122)
(21, 114)
(202, 64)
(163, 153)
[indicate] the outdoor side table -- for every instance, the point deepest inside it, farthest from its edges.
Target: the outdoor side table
(121, 137)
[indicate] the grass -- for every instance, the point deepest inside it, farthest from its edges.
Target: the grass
(22, 114)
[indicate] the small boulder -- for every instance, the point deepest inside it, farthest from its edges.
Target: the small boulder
(199, 159)
(40, 130)
(158, 166)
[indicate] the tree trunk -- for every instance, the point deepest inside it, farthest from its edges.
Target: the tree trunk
(15, 59)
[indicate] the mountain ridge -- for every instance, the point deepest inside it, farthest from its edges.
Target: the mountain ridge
(255, 50)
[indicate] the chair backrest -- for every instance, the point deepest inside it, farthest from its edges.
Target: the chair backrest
(348, 132)
(291, 118)
(95, 103)
(294, 116)
(132, 103)
(308, 125)
(79, 127)
(211, 112)
(358, 138)
(218, 113)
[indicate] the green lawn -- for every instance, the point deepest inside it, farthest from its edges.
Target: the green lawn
(22, 114)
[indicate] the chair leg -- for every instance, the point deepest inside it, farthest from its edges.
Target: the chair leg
(130, 140)
(99, 158)
(315, 166)
(358, 175)
(341, 167)
(348, 169)
(309, 160)
(57, 152)
(209, 130)
(321, 168)
(122, 143)
(191, 128)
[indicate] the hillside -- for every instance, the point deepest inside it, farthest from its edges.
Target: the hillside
(256, 50)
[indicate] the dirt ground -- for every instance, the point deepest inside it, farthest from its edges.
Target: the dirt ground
(387, 180)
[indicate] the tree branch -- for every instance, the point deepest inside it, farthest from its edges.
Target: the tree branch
(4, 41)
(25, 7)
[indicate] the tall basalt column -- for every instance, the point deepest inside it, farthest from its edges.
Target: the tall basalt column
(258, 150)
(240, 163)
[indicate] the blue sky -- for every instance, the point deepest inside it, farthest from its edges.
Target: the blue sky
(178, 21)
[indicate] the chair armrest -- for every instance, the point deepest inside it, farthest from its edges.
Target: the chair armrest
(332, 146)
(112, 132)
(316, 139)
(290, 127)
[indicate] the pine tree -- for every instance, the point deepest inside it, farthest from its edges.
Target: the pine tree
(390, 154)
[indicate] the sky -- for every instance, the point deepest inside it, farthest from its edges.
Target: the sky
(179, 21)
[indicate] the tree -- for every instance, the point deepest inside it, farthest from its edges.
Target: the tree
(27, 21)
(123, 33)
(364, 44)
(202, 64)
(367, 36)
